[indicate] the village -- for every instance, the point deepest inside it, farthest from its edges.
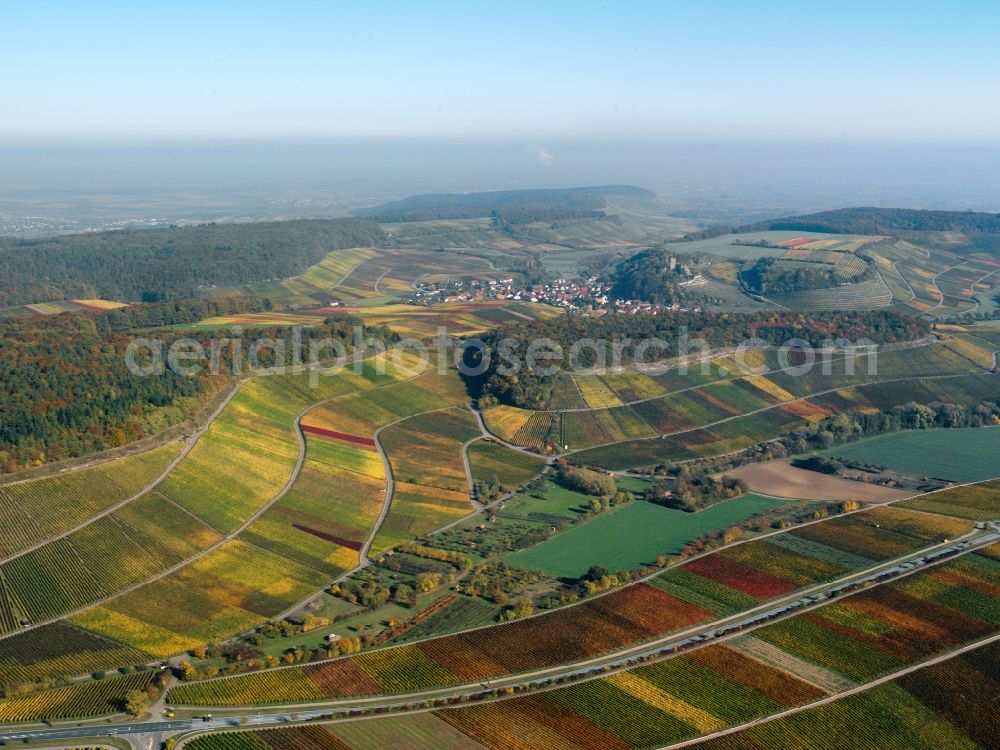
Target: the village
(591, 295)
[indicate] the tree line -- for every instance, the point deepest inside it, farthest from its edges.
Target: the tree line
(867, 220)
(170, 263)
(68, 391)
(531, 389)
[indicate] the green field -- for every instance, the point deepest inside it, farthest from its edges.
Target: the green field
(492, 462)
(633, 535)
(961, 455)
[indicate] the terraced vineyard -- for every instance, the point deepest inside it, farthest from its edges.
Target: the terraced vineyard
(242, 462)
(711, 396)
(314, 286)
(35, 510)
(231, 590)
(865, 295)
(944, 705)
(351, 541)
(425, 453)
(736, 433)
(58, 650)
(256, 430)
(491, 462)
(978, 502)
(457, 318)
(626, 616)
(79, 701)
(157, 532)
(718, 686)
(719, 584)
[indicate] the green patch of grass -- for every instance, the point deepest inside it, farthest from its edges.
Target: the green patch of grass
(632, 484)
(552, 500)
(962, 455)
(633, 535)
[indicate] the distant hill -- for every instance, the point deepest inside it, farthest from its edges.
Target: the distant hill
(507, 206)
(867, 220)
(169, 263)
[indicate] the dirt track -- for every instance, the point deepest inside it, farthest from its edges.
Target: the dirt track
(783, 480)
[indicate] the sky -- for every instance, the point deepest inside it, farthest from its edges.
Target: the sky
(534, 72)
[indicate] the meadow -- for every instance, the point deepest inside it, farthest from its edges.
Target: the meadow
(960, 455)
(634, 535)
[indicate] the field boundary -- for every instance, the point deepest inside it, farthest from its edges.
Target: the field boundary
(191, 442)
(742, 614)
(837, 696)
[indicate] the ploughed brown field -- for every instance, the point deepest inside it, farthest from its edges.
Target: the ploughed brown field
(784, 480)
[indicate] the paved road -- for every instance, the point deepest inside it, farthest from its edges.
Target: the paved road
(695, 638)
(168, 728)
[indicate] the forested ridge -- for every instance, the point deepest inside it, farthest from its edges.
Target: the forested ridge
(528, 388)
(169, 263)
(507, 206)
(68, 392)
(870, 221)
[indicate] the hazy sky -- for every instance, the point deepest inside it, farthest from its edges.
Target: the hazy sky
(874, 71)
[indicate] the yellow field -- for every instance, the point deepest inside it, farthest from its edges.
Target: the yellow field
(261, 319)
(633, 386)
(971, 351)
(753, 359)
(459, 318)
(230, 590)
(653, 696)
(330, 271)
(505, 421)
(75, 305)
(724, 271)
(595, 393)
(769, 387)
(155, 641)
(101, 303)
